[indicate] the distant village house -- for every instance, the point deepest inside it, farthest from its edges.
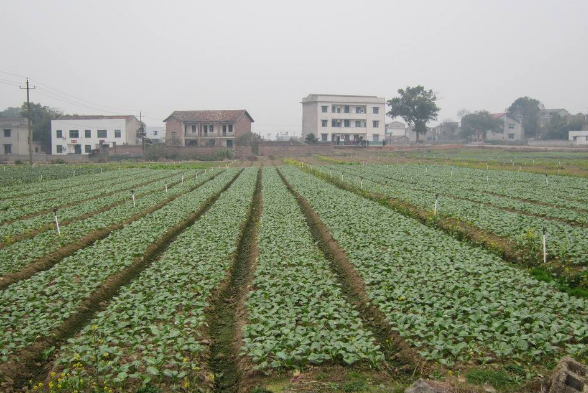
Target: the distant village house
(207, 128)
(14, 137)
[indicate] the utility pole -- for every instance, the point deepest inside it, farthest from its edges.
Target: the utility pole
(143, 132)
(29, 116)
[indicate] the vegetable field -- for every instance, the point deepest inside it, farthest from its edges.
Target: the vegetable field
(188, 279)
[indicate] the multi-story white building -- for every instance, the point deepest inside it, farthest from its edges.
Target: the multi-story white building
(512, 129)
(82, 134)
(155, 134)
(14, 137)
(344, 119)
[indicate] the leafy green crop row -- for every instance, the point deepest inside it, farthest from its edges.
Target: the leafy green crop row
(152, 330)
(12, 176)
(565, 242)
(32, 308)
(119, 189)
(62, 185)
(18, 255)
(297, 313)
(452, 301)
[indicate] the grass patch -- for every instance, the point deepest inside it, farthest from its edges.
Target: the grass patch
(495, 378)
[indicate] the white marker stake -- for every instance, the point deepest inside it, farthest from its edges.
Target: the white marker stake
(100, 170)
(361, 183)
(133, 197)
(166, 188)
(74, 173)
(56, 222)
(341, 178)
(546, 180)
(182, 179)
(544, 245)
(451, 172)
(487, 178)
(436, 204)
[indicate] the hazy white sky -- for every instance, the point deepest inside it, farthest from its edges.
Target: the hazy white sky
(118, 56)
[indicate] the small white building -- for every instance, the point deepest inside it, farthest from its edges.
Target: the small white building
(82, 134)
(14, 137)
(579, 137)
(344, 118)
(512, 129)
(395, 129)
(155, 134)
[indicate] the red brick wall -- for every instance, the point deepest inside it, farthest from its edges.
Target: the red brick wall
(174, 125)
(242, 125)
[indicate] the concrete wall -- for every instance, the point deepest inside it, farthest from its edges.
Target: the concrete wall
(294, 150)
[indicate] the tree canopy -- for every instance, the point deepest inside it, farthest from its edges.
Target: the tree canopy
(310, 139)
(416, 106)
(529, 110)
(479, 124)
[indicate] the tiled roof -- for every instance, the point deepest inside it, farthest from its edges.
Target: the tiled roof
(230, 116)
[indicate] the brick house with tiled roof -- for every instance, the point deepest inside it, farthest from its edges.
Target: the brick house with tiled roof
(207, 128)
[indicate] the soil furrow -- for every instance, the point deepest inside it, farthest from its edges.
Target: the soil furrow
(29, 363)
(400, 357)
(228, 305)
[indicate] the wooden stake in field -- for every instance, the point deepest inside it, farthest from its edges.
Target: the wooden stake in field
(546, 180)
(436, 204)
(133, 198)
(182, 179)
(544, 245)
(56, 222)
(165, 187)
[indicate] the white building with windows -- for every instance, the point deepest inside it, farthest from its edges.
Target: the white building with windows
(578, 137)
(155, 134)
(82, 134)
(512, 129)
(14, 138)
(344, 119)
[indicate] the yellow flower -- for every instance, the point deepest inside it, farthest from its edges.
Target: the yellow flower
(51, 385)
(185, 360)
(53, 374)
(211, 376)
(196, 368)
(186, 383)
(94, 327)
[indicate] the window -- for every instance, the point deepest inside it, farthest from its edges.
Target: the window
(210, 128)
(230, 128)
(324, 123)
(376, 110)
(375, 124)
(59, 133)
(88, 133)
(325, 108)
(346, 108)
(336, 123)
(224, 128)
(7, 133)
(102, 134)
(87, 148)
(194, 128)
(154, 133)
(74, 133)
(117, 133)
(36, 149)
(376, 137)
(510, 136)
(346, 123)
(336, 109)
(511, 126)
(8, 149)
(357, 123)
(359, 109)
(229, 143)
(324, 137)
(59, 149)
